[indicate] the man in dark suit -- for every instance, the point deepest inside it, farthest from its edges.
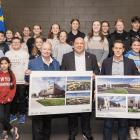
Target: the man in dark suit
(79, 60)
(117, 65)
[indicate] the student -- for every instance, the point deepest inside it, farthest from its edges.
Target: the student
(19, 64)
(37, 31)
(26, 33)
(36, 51)
(23, 44)
(117, 65)
(62, 47)
(7, 93)
(105, 28)
(74, 33)
(96, 43)
(135, 31)
(79, 60)
(105, 31)
(41, 124)
(3, 46)
(134, 54)
(120, 34)
(53, 35)
(9, 37)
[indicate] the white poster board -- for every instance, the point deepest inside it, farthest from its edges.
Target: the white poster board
(118, 96)
(60, 92)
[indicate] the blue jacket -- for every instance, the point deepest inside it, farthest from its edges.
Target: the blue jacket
(37, 64)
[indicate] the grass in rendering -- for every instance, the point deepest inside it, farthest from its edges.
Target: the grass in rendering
(52, 102)
(117, 91)
(133, 110)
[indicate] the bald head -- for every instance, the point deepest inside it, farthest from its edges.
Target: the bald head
(79, 45)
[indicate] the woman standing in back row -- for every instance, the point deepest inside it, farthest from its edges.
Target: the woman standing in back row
(96, 43)
(74, 33)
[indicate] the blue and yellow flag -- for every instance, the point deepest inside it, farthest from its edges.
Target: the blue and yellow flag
(2, 25)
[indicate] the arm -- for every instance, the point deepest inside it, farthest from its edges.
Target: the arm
(63, 66)
(103, 68)
(11, 92)
(96, 69)
(135, 69)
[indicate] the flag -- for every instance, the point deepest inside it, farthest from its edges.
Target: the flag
(2, 24)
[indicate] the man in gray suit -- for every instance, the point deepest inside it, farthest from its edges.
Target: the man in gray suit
(80, 60)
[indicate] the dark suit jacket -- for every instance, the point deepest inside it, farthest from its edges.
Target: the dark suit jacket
(68, 62)
(129, 67)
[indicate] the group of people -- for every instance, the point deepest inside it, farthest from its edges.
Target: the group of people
(100, 51)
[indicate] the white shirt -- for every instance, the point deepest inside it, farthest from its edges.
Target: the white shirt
(80, 63)
(51, 60)
(19, 63)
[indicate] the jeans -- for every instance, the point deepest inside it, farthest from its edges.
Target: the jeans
(122, 129)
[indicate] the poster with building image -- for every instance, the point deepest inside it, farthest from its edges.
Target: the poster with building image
(118, 96)
(60, 92)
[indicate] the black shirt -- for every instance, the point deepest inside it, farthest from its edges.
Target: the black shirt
(72, 37)
(124, 36)
(4, 47)
(134, 34)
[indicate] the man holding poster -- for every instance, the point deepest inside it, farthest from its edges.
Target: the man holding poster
(117, 65)
(41, 124)
(79, 60)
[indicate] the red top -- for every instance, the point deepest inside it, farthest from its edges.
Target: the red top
(6, 94)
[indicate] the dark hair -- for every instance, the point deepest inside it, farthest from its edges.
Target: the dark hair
(50, 34)
(17, 38)
(35, 50)
(28, 27)
(9, 71)
(37, 25)
(119, 41)
(61, 32)
(135, 39)
(135, 19)
(90, 35)
(75, 19)
(105, 21)
(1, 32)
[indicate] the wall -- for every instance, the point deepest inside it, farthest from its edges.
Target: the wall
(19, 13)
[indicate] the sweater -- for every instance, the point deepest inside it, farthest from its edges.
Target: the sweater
(97, 47)
(5, 91)
(19, 63)
(53, 42)
(61, 49)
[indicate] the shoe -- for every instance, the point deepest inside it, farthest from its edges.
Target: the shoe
(13, 118)
(21, 119)
(14, 133)
(87, 138)
(4, 135)
(138, 133)
(132, 133)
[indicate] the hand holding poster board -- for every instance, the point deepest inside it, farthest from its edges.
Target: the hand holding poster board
(118, 96)
(60, 92)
